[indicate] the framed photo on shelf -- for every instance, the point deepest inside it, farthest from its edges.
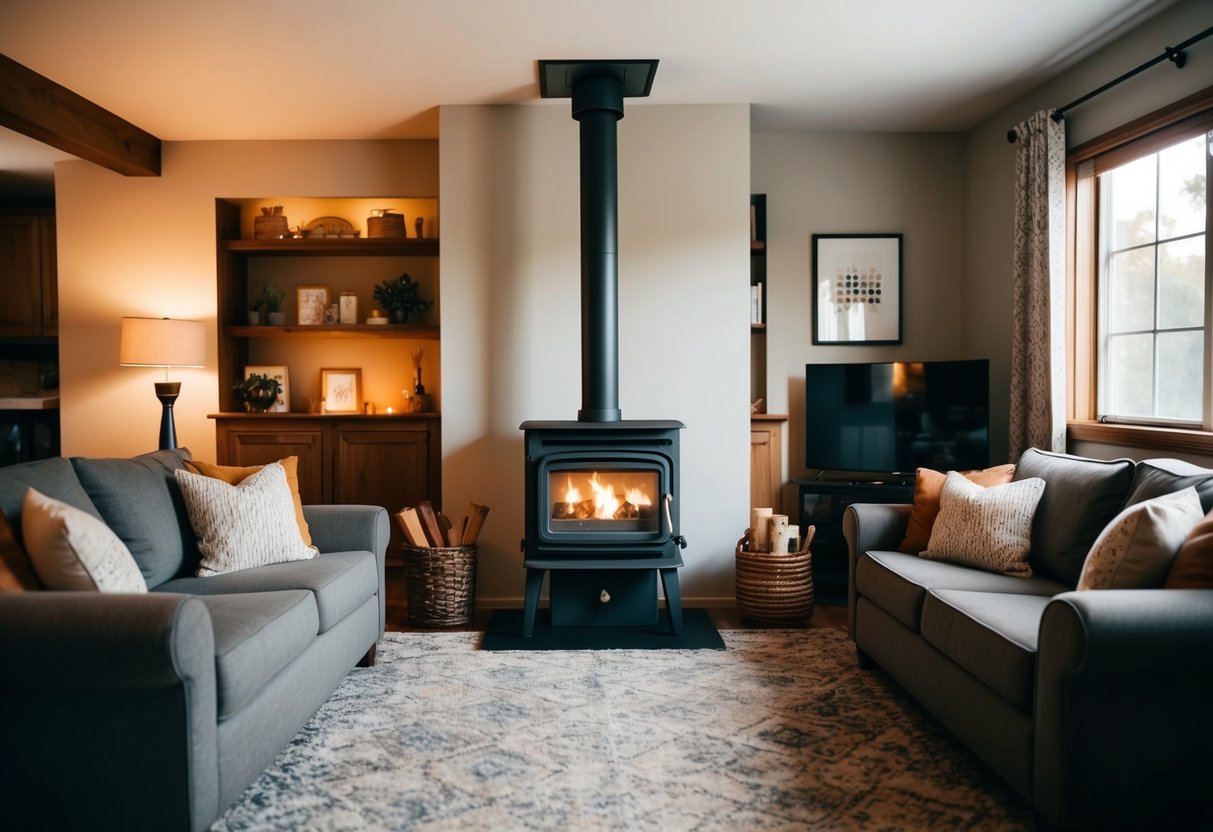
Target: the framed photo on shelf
(857, 289)
(341, 390)
(282, 374)
(312, 303)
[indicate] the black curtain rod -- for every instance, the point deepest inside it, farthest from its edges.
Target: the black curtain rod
(1174, 54)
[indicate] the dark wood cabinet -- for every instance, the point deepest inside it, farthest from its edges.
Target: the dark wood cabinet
(390, 461)
(766, 461)
(28, 276)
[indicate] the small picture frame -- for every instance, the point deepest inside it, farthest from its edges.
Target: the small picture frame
(312, 302)
(277, 371)
(341, 390)
(857, 289)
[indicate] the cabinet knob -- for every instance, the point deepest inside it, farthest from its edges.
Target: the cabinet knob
(604, 597)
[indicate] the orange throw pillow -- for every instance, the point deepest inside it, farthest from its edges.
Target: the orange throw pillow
(235, 474)
(928, 485)
(1193, 564)
(16, 571)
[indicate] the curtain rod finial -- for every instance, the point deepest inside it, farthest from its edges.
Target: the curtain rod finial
(1012, 135)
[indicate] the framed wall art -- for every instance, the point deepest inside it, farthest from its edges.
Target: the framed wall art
(341, 390)
(279, 372)
(857, 289)
(313, 301)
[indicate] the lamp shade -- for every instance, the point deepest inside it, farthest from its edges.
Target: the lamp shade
(162, 342)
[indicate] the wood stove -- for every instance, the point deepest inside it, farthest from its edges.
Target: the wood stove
(601, 492)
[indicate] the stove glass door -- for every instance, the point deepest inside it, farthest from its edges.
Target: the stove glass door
(603, 500)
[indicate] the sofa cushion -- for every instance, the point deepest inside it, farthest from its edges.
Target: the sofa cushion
(341, 581)
(16, 572)
(236, 474)
(986, 528)
(1156, 477)
(1193, 565)
(72, 550)
(139, 500)
(256, 635)
(1136, 549)
(898, 583)
(52, 477)
(1062, 535)
(990, 634)
(928, 486)
(246, 525)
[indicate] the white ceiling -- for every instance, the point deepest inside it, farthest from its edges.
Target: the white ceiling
(319, 69)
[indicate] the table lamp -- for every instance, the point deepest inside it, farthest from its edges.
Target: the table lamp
(163, 342)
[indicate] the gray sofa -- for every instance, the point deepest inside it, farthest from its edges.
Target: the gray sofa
(131, 711)
(1092, 705)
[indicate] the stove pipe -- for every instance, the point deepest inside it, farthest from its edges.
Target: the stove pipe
(597, 106)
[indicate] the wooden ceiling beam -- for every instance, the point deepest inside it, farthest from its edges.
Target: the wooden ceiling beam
(51, 113)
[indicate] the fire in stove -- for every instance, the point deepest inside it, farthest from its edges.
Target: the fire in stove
(603, 502)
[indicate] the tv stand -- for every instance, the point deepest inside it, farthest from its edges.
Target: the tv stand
(822, 503)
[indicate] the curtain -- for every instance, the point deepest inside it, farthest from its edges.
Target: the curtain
(1038, 350)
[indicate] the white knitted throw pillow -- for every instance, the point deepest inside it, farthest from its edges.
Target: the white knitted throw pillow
(73, 550)
(1135, 550)
(986, 528)
(243, 526)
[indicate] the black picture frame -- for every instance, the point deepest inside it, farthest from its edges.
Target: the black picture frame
(857, 289)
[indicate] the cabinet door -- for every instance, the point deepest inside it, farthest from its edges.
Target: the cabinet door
(20, 277)
(766, 459)
(242, 443)
(382, 466)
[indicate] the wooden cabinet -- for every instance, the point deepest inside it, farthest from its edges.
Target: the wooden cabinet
(28, 276)
(766, 461)
(390, 461)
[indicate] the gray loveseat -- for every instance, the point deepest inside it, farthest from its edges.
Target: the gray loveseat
(132, 711)
(1092, 705)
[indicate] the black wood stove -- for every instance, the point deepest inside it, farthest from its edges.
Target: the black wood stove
(601, 492)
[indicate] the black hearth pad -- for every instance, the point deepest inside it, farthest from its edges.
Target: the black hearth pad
(505, 633)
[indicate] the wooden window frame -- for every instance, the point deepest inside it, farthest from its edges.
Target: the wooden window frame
(1140, 137)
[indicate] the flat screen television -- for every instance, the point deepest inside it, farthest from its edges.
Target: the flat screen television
(897, 416)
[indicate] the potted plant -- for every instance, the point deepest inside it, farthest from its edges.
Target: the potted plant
(258, 392)
(271, 297)
(399, 297)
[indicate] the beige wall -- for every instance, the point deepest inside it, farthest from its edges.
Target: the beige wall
(510, 313)
(815, 183)
(146, 247)
(989, 174)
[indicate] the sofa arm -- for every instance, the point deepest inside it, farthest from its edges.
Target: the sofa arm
(870, 527)
(353, 528)
(110, 711)
(1122, 686)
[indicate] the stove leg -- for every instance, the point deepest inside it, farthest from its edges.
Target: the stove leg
(673, 598)
(534, 582)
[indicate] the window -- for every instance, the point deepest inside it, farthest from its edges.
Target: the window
(1153, 331)
(1141, 281)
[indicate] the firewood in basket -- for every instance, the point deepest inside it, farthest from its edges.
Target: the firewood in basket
(410, 524)
(429, 522)
(475, 522)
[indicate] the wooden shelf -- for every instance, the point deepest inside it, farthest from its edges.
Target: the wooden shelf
(416, 331)
(383, 417)
(342, 247)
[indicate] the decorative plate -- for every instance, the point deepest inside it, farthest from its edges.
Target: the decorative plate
(330, 227)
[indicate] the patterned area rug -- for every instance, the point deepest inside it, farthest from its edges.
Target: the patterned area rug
(779, 731)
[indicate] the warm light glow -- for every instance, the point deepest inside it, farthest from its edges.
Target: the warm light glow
(162, 342)
(604, 502)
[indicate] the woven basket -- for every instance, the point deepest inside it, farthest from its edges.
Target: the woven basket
(270, 227)
(440, 584)
(389, 225)
(775, 588)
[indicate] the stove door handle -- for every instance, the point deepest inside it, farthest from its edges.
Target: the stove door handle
(669, 521)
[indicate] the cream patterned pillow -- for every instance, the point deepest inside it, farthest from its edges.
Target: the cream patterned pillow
(245, 525)
(73, 550)
(986, 528)
(1135, 550)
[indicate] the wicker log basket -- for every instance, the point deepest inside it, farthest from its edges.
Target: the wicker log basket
(775, 588)
(440, 584)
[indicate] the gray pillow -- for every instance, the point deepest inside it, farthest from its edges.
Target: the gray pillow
(1081, 497)
(139, 499)
(52, 477)
(1156, 477)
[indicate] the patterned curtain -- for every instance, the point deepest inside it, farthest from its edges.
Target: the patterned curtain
(1038, 350)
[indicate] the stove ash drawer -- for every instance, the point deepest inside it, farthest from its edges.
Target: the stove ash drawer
(604, 598)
